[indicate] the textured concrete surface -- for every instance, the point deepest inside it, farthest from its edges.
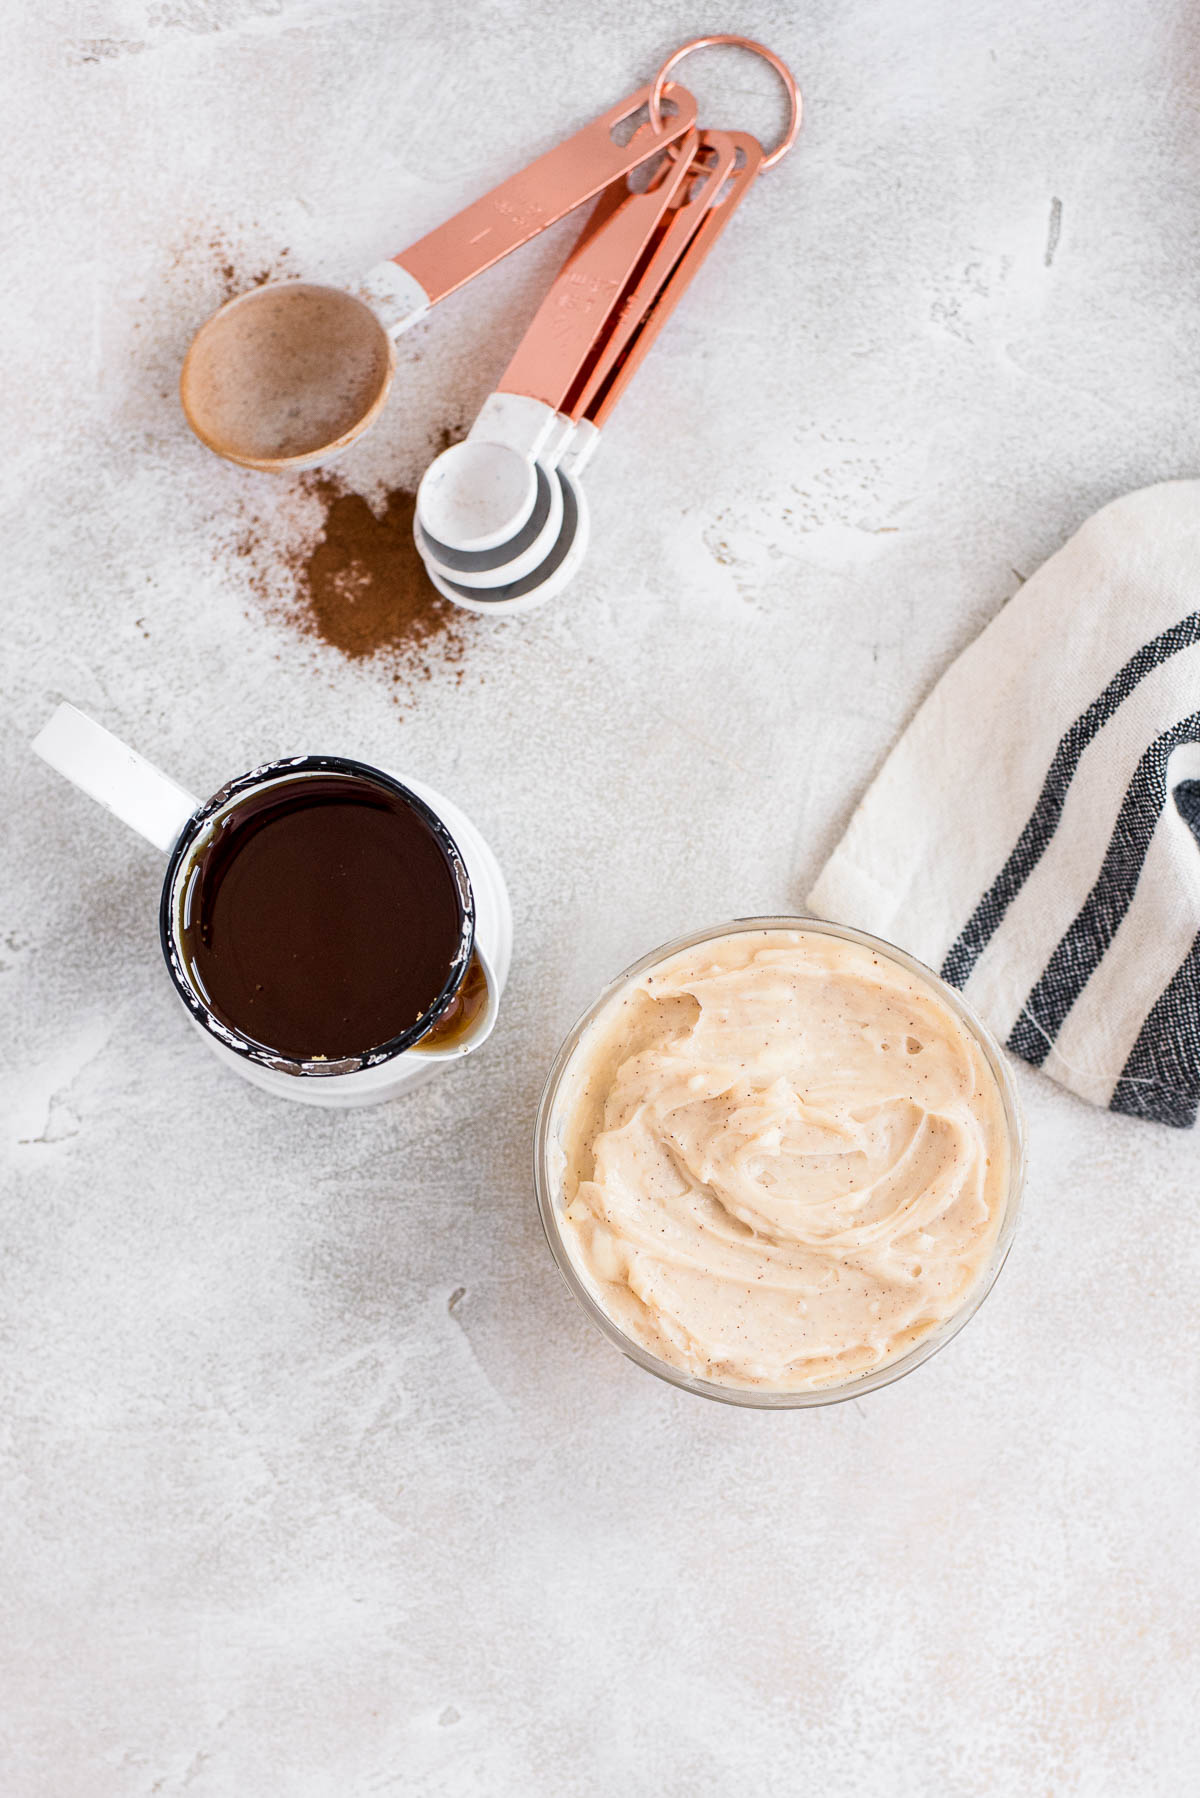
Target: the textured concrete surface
(315, 1483)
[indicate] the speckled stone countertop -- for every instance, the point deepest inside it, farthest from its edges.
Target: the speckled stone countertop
(314, 1482)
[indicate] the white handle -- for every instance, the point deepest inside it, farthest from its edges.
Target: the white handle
(581, 448)
(101, 766)
(395, 297)
(520, 423)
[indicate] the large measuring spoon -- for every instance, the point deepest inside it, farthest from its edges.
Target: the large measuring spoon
(290, 373)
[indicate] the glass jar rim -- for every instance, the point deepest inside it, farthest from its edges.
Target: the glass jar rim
(749, 1397)
(225, 799)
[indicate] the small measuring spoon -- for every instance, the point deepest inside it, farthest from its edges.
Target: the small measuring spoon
(290, 373)
(487, 509)
(529, 546)
(682, 242)
(628, 342)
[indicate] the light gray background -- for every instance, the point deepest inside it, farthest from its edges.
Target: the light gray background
(279, 1520)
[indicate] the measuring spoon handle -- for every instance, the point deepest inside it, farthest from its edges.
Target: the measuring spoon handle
(570, 322)
(716, 158)
(530, 201)
(723, 200)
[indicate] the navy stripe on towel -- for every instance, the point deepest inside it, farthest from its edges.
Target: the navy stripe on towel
(1187, 798)
(1043, 822)
(1161, 1079)
(1078, 954)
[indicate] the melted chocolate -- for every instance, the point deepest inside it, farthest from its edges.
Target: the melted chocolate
(322, 919)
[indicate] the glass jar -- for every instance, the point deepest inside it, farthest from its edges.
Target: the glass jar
(549, 1167)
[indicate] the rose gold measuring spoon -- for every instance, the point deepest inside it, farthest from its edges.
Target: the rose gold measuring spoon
(659, 285)
(470, 542)
(490, 500)
(679, 247)
(489, 510)
(290, 373)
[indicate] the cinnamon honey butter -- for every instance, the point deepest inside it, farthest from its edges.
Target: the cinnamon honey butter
(780, 1159)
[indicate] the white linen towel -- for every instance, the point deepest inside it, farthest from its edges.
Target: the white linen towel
(1035, 834)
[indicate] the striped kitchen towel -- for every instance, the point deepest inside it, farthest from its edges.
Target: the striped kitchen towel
(1035, 834)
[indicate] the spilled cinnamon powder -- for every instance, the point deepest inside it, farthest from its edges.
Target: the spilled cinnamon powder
(365, 584)
(359, 584)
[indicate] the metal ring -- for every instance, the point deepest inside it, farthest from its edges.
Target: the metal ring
(742, 43)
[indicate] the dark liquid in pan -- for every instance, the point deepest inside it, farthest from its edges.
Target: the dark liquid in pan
(322, 919)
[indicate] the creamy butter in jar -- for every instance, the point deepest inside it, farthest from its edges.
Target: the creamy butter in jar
(779, 1162)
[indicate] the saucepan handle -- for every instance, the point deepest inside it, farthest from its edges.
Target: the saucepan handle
(104, 768)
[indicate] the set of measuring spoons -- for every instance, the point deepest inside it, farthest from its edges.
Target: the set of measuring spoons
(286, 376)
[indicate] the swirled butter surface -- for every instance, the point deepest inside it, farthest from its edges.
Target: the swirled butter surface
(783, 1160)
